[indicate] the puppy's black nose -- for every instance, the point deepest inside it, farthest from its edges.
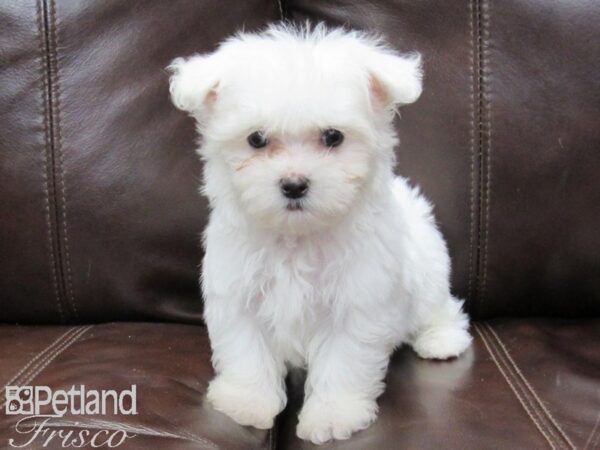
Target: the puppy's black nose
(294, 188)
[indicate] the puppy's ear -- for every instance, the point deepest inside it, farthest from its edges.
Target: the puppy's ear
(395, 80)
(193, 84)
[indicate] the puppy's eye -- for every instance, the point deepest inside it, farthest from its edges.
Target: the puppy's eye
(258, 140)
(332, 137)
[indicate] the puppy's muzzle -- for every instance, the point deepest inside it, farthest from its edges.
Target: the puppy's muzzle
(294, 188)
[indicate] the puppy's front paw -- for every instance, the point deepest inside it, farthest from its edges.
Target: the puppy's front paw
(321, 421)
(251, 405)
(441, 342)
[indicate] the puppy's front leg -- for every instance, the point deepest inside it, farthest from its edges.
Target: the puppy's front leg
(249, 384)
(345, 377)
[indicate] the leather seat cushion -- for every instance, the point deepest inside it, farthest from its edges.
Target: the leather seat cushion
(169, 364)
(525, 384)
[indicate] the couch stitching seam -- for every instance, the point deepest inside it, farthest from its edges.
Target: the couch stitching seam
(530, 388)
(596, 441)
(485, 135)
(521, 397)
(52, 257)
(26, 367)
(38, 356)
(517, 381)
(59, 150)
(513, 387)
(591, 440)
(58, 351)
(472, 18)
(33, 371)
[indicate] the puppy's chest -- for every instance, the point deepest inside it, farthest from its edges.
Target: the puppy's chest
(296, 285)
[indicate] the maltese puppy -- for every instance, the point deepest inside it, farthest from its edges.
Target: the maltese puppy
(316, 254)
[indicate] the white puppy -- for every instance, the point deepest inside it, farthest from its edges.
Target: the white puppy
(316, 254)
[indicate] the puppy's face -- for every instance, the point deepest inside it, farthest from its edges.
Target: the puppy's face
(296, 126)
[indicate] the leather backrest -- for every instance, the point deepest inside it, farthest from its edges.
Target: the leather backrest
(99, 213)
(505, 141)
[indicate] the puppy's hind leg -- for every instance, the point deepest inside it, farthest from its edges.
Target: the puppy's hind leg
(445, 332)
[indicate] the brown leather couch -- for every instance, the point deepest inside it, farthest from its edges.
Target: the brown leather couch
(100, 217)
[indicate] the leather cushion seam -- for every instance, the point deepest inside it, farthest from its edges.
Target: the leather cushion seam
(59, 151)
(520, 398)
(474, 96)
(44, 88)
(484, 111)
(488, 159)
(45, 362)
(30, 374)
(32, 369)
(516, 380)
(528, 385)
(37, 356)
(594, 437)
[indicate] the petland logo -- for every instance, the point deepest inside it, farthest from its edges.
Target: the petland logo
(44, 410)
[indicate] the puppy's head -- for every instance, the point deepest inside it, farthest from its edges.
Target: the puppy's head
(296, 124)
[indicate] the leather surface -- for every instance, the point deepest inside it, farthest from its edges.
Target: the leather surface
(504, 141)
(169, 364)
(98, 177)
(26, 278)
(100, 215)
(525, 384)
(540, 243)
(436, 142)
(100, 218)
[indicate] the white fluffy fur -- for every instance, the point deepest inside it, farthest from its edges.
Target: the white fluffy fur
(336, 286)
